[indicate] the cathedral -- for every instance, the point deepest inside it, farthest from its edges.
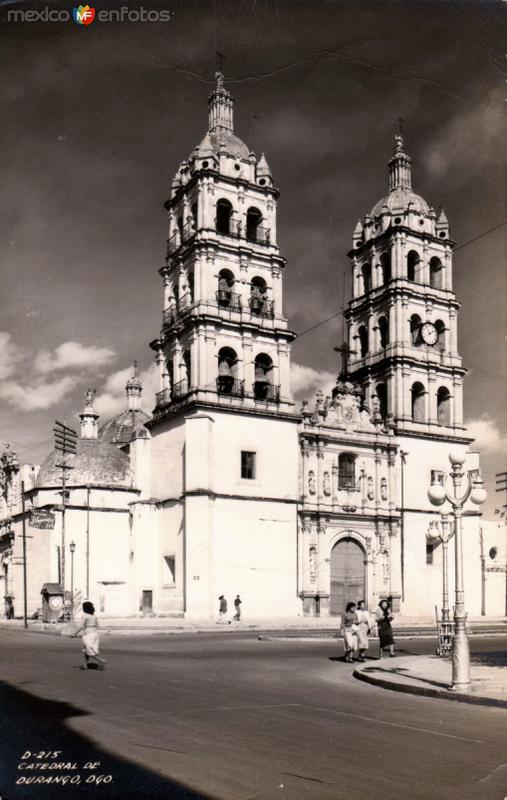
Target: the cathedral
(228, 488)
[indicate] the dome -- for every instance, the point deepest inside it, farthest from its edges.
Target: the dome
(227, 141)
(95, 463)
(121, 429)
(399, 200)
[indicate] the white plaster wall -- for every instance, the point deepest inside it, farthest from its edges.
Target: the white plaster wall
(255, 557)
(167, 459)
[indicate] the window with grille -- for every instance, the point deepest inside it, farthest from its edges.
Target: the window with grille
(346, 471)
(248, 464)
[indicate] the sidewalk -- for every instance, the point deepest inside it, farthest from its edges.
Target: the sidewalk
(326, 627)
(430, 676)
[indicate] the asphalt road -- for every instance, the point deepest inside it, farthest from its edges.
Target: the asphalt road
(234, 718)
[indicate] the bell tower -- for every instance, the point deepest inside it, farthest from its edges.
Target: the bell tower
(224, 339)
(402, 318)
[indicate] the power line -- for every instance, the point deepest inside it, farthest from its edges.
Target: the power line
(461, 247)
(481, 235)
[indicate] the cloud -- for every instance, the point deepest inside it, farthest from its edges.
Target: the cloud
(112, 399)
(306, 381)
(71, 355)
(487, 435)
(38, 396)
(9, 354)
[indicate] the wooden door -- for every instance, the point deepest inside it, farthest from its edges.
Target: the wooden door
(348, 582)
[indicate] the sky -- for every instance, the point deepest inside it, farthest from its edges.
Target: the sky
(96, 119)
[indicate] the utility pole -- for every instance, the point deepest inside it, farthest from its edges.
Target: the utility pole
(501, 486)
(25, 603)
(65, 443)
(88, 541)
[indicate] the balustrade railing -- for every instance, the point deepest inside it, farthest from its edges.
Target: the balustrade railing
(262, 307)
(233, 229)
(173, 243)
(228, 385)
(170, 315)
(179, 389)
(188, 230)
(266, 391)
(259, 235)
(227, 299)
(163, 397)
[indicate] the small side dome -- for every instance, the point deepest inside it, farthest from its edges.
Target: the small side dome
(95, 463)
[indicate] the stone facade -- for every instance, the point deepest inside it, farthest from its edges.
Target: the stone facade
(227, 488)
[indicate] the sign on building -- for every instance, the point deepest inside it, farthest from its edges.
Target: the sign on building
(42, 518)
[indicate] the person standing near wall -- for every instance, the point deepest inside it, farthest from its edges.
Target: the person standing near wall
(363, 623)
(237, 606)
(350, 631)
(384, 618)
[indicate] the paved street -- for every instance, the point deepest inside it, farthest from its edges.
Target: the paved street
(235, 718)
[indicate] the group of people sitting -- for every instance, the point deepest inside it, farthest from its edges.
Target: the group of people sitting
(358, 626)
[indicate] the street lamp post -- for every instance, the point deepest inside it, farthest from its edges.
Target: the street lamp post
(72, 548)
(437, 495)
(442, 532)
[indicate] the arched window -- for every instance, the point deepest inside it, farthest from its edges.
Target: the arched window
(227, 361)
(381, 391)
(436, 273)
(443, 406)
(263, 377)
(383, 331)
(363, 340)
(258, 295)
(412, 264)
(440, 326)
(253, 220)
(225, 285)
(415, 326)
(170, 371)
(194, 214)
(385, 267)
(366, 273)
(223, 218)
(418, 392)
(346, 471)
(190, 282)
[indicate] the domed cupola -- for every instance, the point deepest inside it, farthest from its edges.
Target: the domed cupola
(221, 146)
(401, 206)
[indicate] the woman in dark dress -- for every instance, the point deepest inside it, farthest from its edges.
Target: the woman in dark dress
(383, 618)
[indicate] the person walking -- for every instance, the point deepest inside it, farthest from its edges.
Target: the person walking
(350, 630)
(222, 609)
(363, 624)
(237, 606)
(90, 634)
(384, 618)
(9, 612)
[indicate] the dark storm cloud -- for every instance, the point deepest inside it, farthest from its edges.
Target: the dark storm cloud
(96, 120)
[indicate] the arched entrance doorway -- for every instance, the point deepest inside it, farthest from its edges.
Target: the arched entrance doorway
(348, 578)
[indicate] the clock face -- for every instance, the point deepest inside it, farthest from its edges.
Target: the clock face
(55, 603)
(429, 333)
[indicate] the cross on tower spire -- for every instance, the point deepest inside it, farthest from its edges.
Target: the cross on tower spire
(345, 351)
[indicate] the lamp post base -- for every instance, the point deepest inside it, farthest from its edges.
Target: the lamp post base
(460, 658)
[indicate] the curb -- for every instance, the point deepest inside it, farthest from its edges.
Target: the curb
(424, 691)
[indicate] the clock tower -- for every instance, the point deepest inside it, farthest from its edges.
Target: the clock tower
(402, 318)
